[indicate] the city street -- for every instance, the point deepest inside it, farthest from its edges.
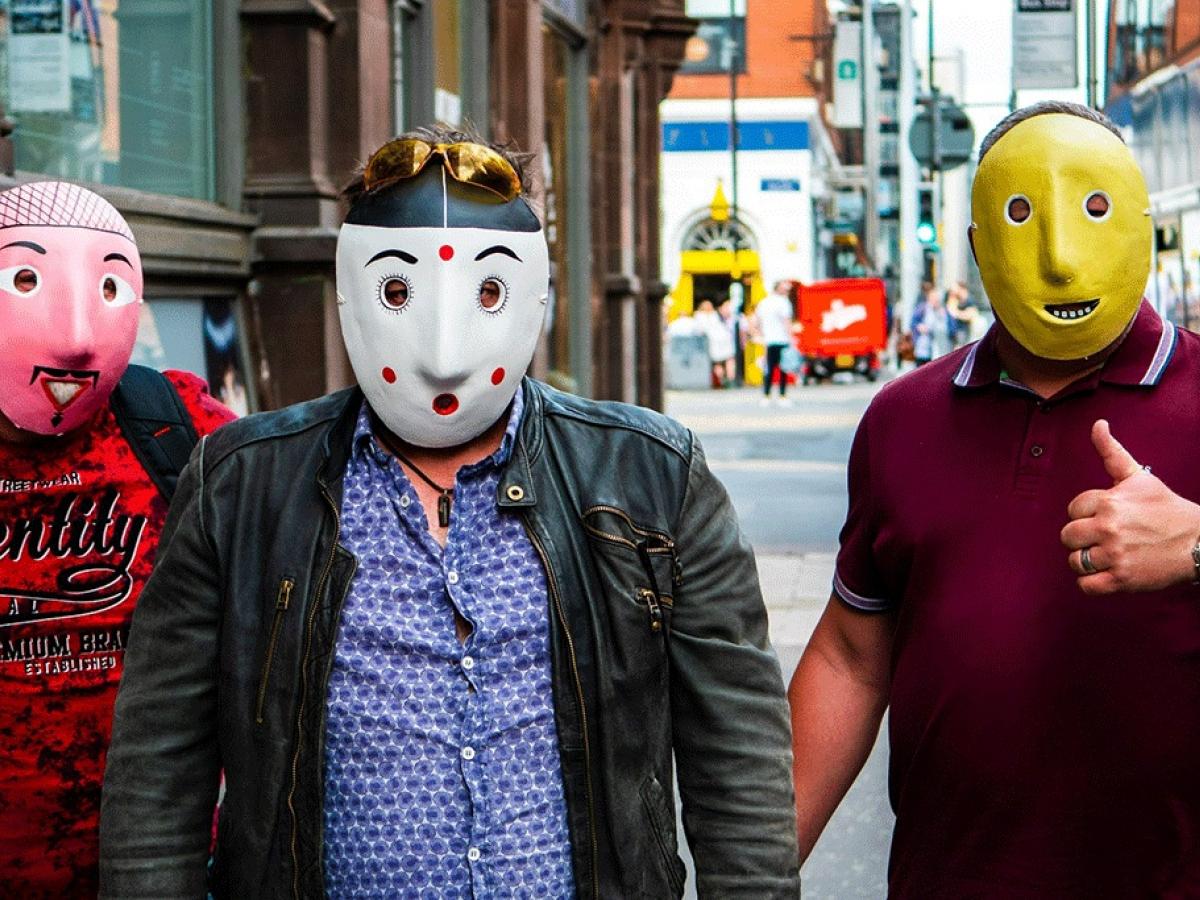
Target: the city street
(785, 468)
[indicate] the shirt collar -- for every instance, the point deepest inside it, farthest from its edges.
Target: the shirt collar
(364, 434)
(1139, 361)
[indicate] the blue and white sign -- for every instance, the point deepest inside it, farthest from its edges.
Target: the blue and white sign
(780, 184)
(698, 136)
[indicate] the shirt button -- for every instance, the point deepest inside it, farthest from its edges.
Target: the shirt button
(473, 854)
(404, 501)
(1037, 450)
(468, 662)
(468, 753)
(452, 577)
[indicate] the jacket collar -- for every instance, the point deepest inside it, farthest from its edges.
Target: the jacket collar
(1139, 361)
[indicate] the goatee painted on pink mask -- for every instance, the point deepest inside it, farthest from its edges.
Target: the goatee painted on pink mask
(70, 287)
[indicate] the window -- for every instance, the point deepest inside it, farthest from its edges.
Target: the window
(447, 62)
(402, 28)
(556, 196)
(201, 336)
(719, 43)
(112, 91)
(1145, 38)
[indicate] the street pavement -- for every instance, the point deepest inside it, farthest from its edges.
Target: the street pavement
(785, 470)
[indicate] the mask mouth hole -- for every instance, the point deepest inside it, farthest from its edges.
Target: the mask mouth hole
(445, 404)
(1070, 312)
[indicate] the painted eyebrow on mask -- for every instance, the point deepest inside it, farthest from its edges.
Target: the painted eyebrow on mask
(120, 256)
(29, 245)
(497, 248)
(384, 254)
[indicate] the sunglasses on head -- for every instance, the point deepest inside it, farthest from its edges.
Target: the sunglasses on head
(465, 162)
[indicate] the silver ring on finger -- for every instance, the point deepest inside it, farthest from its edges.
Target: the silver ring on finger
(1085, 561)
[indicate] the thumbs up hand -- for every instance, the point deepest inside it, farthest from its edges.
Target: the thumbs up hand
(1138, 534)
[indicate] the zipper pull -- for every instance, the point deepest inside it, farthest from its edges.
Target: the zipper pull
(284, 597)
(648, 597)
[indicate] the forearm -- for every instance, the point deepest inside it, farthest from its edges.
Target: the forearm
(729, 710)
(161, 779)
(835, 722)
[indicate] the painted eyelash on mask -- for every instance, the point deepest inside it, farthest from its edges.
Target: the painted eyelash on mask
(503, 300)
(394, 310)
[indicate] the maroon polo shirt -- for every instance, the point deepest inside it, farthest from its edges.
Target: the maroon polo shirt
(1044, 743)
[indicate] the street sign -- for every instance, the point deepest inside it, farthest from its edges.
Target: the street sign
(848, 86)
(1045, 52)
(779, 184)
(955, 137)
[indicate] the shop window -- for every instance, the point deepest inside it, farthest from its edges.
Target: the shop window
(112, 91)
(198, 336)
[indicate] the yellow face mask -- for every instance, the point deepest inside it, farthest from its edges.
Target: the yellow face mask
(1062, 234)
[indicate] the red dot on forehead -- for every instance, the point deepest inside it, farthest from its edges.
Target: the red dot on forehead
(388, 375)
(497, 376)
(446, 252)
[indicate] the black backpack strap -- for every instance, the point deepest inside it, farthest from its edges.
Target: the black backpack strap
(156, 424)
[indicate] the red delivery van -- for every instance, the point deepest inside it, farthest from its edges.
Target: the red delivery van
(843, 326)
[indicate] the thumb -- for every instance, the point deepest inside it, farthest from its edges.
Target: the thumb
(1117, 461)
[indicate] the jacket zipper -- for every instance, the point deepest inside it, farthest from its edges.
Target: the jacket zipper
(650, 598)
(312, 616)
(282, 599)
(552, 584)
(664, 851)
(666, 545)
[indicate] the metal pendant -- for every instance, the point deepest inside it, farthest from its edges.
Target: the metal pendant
(444, 509)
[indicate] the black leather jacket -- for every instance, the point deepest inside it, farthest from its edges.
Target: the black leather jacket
(658, 639)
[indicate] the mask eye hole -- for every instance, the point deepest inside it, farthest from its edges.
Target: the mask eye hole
(492, 295)
(116, 291)
(1097, 206)
(1018, 209)
(394, 293)
(23, 281)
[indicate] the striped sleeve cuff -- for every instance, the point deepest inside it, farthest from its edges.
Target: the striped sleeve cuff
(858, 601)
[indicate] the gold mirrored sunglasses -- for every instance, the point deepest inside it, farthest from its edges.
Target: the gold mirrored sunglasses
(472, 164)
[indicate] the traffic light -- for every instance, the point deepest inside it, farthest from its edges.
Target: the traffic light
(926, 225)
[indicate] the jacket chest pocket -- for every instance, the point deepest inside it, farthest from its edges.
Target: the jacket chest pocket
(278, 618)
(639, 574)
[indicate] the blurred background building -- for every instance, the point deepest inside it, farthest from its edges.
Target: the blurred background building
(223, 131)
(1154, 94)
(752, 217)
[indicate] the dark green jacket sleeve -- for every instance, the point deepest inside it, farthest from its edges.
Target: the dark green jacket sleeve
(731, 725)
(161, 781)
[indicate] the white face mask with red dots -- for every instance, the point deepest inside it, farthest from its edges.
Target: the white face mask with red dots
(440, 323)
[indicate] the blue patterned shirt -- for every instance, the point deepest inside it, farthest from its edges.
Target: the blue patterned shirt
(442, 773)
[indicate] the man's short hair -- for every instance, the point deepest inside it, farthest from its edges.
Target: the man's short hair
(444, 134)
(1045, 108)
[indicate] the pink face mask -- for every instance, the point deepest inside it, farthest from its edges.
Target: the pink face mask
(70, 286)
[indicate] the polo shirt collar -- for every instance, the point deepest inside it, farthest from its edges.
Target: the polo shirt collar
(1139, 361)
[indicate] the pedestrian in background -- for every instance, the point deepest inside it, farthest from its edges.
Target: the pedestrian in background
(729, 319)
(720, 340)
(930, 327)
(773, 320)
(965, 315)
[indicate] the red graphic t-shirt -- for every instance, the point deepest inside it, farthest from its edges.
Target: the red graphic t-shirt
(79, 526)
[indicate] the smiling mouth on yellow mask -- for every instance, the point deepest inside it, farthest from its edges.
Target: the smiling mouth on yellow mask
(1062, 234)
(1072, 312)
